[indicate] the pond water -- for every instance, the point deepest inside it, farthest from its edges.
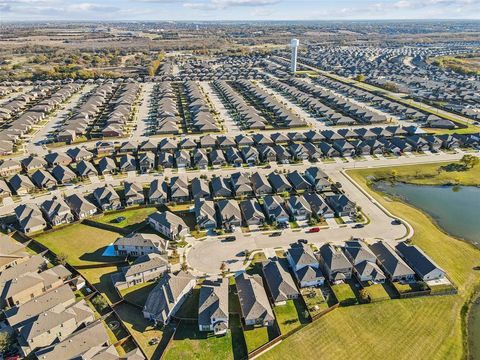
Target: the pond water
(455, 209)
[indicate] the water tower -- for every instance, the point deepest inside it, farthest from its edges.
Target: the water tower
(294, 45)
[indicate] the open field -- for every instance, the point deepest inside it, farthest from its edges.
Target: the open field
(461, 64)
(426, 174)
(190, 343)
(426, 328)
(82, 244)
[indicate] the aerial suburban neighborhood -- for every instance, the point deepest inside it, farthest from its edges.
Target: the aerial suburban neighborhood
(239, 189)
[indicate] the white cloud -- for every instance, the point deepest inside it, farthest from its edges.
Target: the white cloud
(224, 4)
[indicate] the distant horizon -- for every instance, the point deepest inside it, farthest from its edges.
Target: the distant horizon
(237, 10)
(188, 21)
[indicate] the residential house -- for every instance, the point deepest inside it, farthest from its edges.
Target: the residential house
(205, 213)
(30, 218)
(213, 306)
(81, 207)
(364, 262)
(200, 189)
(167, 297)
(252, 212)
(179, 189)
(299, 208)
(43, 179)
(273, 205)
(392, 264)
(21, 184)
(139, 244)
(420, 262)
(279, 182)
(335, 264)
(158, 192)
(220, 187)
(146, 162)
(145, 268)
(133, 194)
(279, 282)
(340, 204)
(318, 206)
(254, 304)
(229, 214)
(56, 211)
(107, 198)
(168, 224)
(260, 184)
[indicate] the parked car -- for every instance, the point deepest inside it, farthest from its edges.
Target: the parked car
(276, 233)
(313, 230)
(230, 238)
(358, 226)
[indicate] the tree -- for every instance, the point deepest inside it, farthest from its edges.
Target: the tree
(470, 161)
(360, 78)
(100, 303)
(184, 266)
(6, 341)
(223, 267)
(62, 258)
(394, 174)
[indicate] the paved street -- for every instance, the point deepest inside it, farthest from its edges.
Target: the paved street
(143, 113)
(35, 143)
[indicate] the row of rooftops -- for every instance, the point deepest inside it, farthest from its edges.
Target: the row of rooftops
(52, 315)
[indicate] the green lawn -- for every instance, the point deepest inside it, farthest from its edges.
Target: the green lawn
(138, 294)
(344, 294)
(189, 308)
(143, 331)
(426, 174)
(409, 287)
(134, 218)
(291, 315)
(82, 244)
(314, 300)
(377, 292)
(189, 343)
(256, 337)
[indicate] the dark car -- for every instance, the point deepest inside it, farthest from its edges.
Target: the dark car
(358, 226)
(302, 241)
(276, 233)
(230, 238)
(396, 222)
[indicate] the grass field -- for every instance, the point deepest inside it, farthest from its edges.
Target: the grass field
(291, 315)
(82, 244)
(426, 174)
(189, 343)
(143, 331)
(134, 218)
(422, 328)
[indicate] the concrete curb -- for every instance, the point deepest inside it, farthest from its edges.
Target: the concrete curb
(410, 230)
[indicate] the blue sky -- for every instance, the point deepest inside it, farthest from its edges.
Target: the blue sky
(237, 9)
